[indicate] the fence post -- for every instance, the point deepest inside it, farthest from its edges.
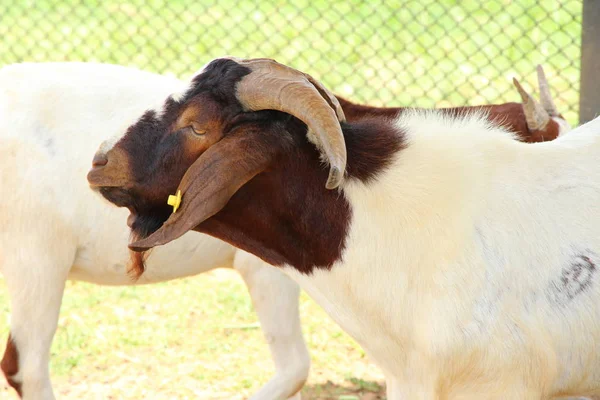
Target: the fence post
(589, 90)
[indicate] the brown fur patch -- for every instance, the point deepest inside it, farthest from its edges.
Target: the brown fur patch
(286, 216)
(355, 112)
(10, 364)
(510, 115)
(550, 132)
(137, 265)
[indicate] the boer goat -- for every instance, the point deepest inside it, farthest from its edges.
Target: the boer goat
(530, 120)
(53, 116)
(56, 114)
(463, 261)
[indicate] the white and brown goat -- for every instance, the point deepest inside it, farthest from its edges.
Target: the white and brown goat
(466, 263)
(56, 114)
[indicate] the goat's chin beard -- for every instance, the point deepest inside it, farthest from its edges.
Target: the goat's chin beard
(137, 263)
(141, 226)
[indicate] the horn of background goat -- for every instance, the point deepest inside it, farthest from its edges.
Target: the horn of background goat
(537, 118)
(545, 96)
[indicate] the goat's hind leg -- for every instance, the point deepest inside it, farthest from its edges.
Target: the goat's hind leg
(35, 281)
(275, 298)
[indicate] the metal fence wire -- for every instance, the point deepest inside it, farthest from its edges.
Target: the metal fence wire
(424, 53)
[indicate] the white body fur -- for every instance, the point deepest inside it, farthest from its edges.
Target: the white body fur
(53, 227)
(450, 267)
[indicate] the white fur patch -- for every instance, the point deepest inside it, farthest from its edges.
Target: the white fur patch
(430, 302)
(563, 126)
(461, 127)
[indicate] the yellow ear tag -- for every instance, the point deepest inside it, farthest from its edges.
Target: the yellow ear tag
(174, 201)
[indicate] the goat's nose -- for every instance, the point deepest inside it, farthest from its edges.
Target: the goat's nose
(100, 160)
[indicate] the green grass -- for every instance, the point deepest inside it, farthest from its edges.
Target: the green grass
(422, 53)
(191, 338)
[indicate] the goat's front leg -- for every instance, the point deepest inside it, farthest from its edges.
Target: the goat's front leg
(35, 284)
(275, 298)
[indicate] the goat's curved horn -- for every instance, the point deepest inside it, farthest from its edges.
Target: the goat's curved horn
(274, 86)
(545, 96)
(537, 118)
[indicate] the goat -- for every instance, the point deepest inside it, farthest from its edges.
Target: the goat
(45, 109)
(53, 116)
(530, 120)
(463, 261)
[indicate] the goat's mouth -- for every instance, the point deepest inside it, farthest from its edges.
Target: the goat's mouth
(144, 217)
(97, 177)
(118, 196)
(107, 176)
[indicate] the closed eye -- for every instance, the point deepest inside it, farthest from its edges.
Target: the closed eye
(197, 131)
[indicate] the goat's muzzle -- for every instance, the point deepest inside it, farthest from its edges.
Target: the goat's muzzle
(109, 170)
(100, 159)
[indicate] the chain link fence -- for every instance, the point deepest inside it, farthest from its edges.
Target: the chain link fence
(426, 53)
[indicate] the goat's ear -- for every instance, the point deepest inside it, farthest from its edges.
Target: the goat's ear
(209, 183)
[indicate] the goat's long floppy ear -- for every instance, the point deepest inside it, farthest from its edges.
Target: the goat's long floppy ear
(209, 183)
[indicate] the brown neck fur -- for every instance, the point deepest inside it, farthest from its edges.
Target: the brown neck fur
(286, 216)
(550, 132)
(510, 115)
(355, 112)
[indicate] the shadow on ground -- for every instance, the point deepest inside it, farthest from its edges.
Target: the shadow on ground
(351, 389)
